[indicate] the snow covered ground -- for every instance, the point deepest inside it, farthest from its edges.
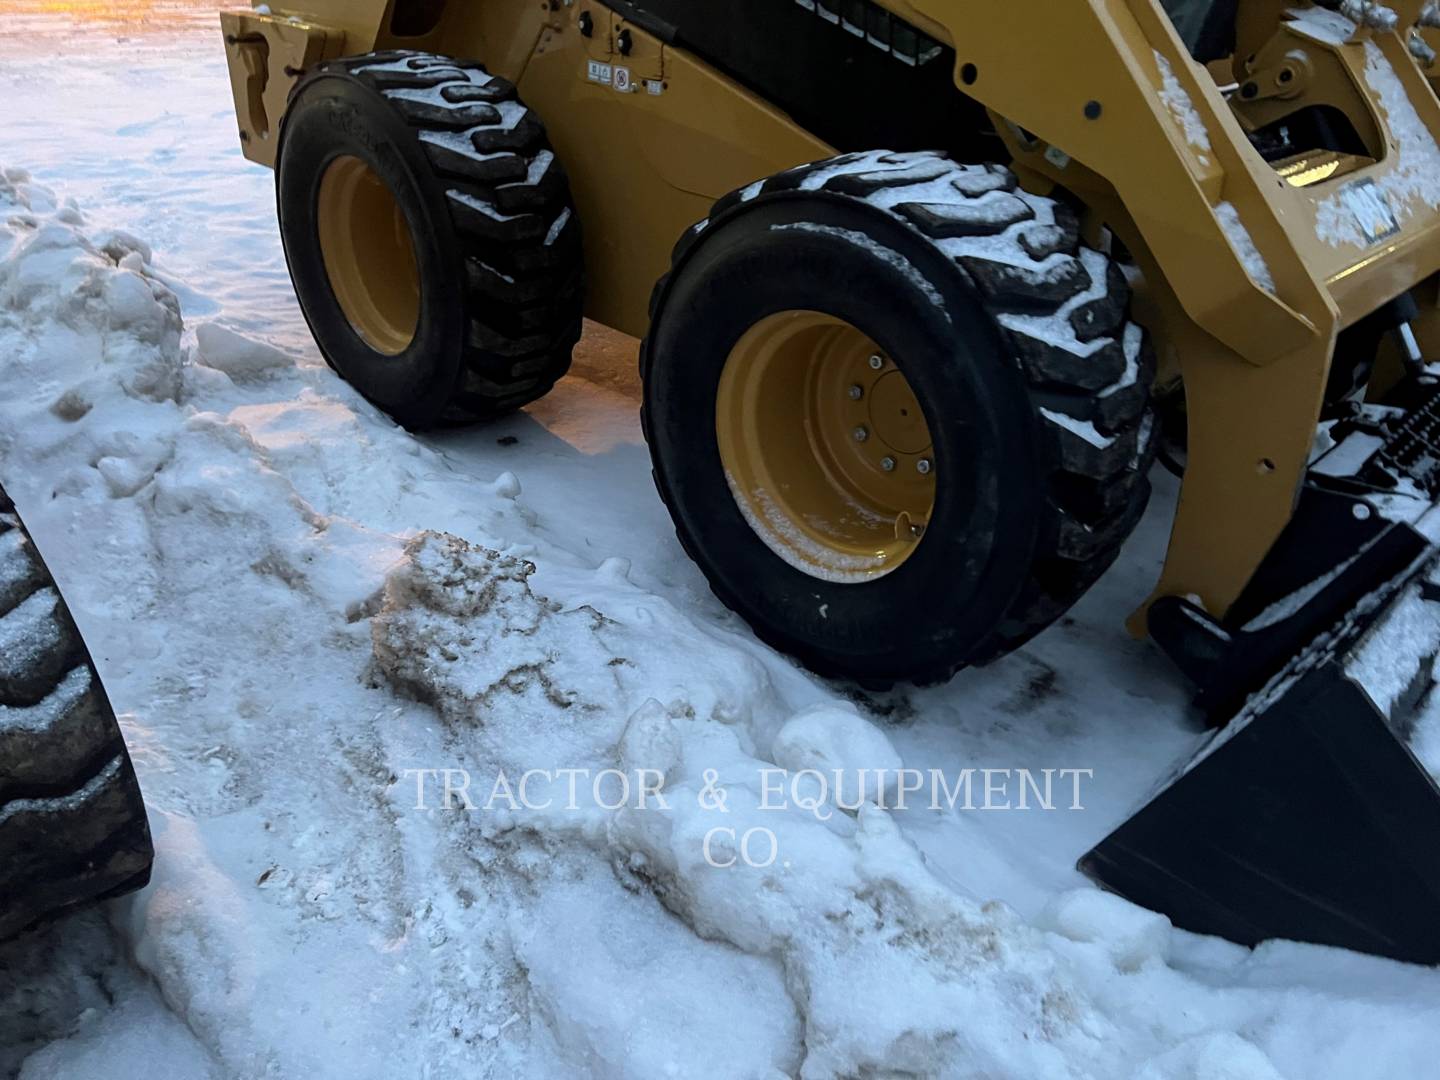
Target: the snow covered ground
(299, 608)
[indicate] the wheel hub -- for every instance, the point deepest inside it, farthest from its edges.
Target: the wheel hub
(825, 446)
(369, 255)
(895, 414)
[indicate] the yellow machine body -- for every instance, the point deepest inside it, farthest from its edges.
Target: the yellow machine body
(1248, 269)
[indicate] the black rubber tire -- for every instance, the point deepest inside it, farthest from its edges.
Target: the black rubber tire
(955, 273)
(72, 823)
(496, 237)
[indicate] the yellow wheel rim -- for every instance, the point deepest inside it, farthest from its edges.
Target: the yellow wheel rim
(369, 255)
(825, 447)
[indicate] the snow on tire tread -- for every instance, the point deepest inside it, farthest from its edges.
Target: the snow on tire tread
(510, 207)
(72, 824)
(1062, 309)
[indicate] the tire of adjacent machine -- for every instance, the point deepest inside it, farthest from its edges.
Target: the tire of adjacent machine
(1011, 338)
(72, 823)
(430, 235)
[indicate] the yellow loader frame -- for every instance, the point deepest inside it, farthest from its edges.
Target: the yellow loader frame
(1241, 294)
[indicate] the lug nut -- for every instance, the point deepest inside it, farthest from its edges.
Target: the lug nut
(923, 466)
(861, 434)
(857, 392)
(876, 362)
(888, 464)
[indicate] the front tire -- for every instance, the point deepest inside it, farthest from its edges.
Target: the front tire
(1036, 431)
(430, 235)
(72, 823)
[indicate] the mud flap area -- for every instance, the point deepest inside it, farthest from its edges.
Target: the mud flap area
(1314, 813)
(267, 54)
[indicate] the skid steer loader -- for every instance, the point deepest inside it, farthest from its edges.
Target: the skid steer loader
(891, 261)
(72, 823)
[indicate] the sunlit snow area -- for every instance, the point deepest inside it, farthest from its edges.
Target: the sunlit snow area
(295, 605)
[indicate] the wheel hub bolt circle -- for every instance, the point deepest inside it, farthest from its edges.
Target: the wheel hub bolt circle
(923, 466)
(862, 433)
(876, 362)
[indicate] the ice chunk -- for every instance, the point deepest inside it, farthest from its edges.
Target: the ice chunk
(1131, 936)
(236, 355)
(1216, 1055)
(852, 754)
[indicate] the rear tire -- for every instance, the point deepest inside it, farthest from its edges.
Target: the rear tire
(1015, 341)
(430, 235)
(72, 822)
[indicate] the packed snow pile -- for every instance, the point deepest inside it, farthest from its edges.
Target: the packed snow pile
(453, 773)
(96, 289)
(835, 900)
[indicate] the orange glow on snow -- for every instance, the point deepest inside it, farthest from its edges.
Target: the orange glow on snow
(119, 15)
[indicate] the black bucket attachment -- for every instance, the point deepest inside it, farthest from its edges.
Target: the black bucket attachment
(1309, 816)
